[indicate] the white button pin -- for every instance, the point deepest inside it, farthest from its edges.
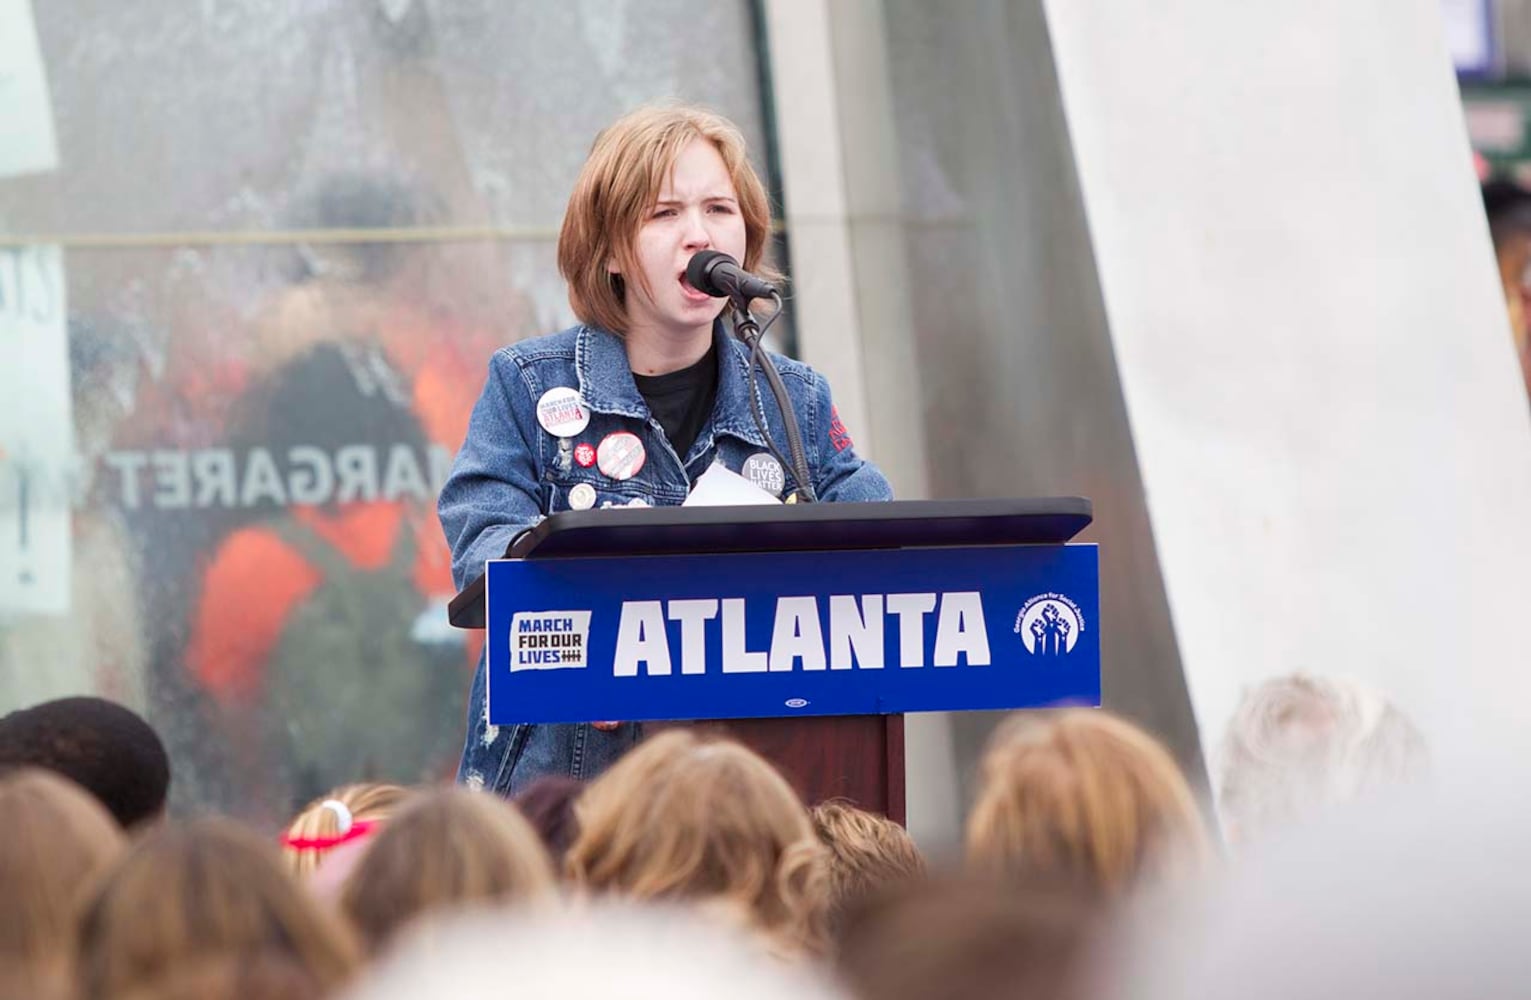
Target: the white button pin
(582, 497)
(562, 412)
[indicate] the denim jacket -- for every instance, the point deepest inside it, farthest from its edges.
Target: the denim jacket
(510, 473)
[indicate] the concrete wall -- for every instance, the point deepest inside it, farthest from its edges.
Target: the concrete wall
(1312, 345)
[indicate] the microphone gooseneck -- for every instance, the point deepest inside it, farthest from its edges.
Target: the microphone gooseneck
(719, 275)
(750, 332)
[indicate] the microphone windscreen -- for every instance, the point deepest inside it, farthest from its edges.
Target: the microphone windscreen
(699, 271)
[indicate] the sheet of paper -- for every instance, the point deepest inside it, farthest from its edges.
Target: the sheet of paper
(720, 487)
(28, 144)
(36, 432)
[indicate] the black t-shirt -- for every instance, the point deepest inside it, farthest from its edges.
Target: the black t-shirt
(682, 400)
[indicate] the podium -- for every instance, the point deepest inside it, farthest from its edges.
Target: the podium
(804, 631)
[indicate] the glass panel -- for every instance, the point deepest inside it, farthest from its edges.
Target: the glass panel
(292, 234)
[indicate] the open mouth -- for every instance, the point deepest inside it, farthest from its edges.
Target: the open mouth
(690, 291)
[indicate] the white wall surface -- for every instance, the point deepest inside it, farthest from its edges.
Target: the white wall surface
(1318, 372)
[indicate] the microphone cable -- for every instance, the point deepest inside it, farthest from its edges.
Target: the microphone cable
(752, 333)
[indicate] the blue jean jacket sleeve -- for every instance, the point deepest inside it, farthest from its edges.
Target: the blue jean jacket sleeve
(840, 475)
(493, 492)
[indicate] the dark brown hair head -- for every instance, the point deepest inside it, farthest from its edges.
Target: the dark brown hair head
(58, 839)
(203, 890)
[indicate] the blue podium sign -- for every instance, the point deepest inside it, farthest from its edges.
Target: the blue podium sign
(792, 633)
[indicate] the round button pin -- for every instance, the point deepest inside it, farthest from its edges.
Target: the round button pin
(562, 412)
(765, 471)
(582, 497)
(638, 502)
(620, 455)
(584, 455)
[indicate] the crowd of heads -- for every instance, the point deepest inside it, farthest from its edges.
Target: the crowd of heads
(691, 867)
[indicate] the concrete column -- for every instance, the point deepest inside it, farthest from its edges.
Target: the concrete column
(841, 188)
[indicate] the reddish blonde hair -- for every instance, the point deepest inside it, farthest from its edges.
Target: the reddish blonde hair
(708, 821)
(1083, 795)
(867, 853)
(619, 184)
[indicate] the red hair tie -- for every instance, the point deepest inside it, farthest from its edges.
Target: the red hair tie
(350, 829)
(358, 830)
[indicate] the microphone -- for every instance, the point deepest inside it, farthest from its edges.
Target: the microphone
(719, 275)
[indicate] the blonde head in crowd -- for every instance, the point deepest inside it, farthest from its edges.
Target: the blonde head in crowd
(684, 818)
(446, 848)
(1298, 744)
(333, 816)
(1083, 796)
(205, 890)
(867, 853)
(57, 839)
(618, 186)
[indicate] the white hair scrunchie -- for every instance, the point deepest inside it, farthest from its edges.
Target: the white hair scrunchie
(342, 814)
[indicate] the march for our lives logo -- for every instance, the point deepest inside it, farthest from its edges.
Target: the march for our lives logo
(549, 640)
(1049, 625)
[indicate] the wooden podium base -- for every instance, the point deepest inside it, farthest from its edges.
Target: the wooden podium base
(854, 757)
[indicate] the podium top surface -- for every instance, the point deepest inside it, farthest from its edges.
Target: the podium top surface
(651, 531)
